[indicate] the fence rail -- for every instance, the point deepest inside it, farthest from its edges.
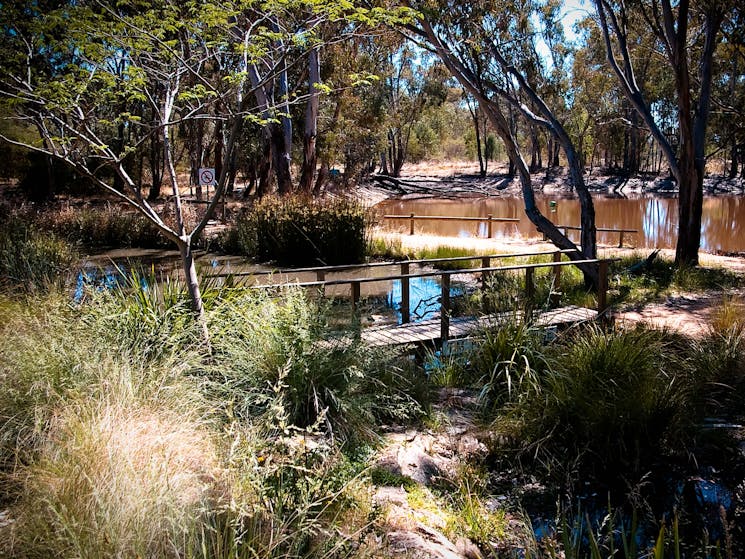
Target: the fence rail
(567, 228)
(324, 270)
(489, 220)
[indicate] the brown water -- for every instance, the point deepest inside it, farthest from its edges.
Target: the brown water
(655, 219)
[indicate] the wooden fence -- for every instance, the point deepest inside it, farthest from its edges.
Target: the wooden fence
(489, 220)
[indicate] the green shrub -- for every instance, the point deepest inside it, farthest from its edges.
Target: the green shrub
(296, 231)
(29, 258)
(106, 227)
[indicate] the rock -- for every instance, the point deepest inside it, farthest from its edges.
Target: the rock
(468, 549)
(417, 456)
(390, 496)
(423, 542)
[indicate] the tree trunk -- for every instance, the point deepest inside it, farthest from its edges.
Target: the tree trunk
(465, 76)
(542, 223)
(477, 128)
(733, 165)
(192, 285)
(283, 149)
(535, 150)
(311, 122)
(264, 165)
(280, 159)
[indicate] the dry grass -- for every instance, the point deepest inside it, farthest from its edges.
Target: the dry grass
(115, 481)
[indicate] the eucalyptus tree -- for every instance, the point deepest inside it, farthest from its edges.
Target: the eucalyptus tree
(686, 35)
(76, 71)
(490, 48)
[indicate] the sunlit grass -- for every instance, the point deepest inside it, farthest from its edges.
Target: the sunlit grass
(120, 436)
(630, 286)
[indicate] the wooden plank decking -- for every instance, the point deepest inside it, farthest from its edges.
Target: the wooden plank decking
(429, 330)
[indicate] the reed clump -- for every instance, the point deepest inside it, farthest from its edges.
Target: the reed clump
(617, 400)
(298, 230)
(108, 226)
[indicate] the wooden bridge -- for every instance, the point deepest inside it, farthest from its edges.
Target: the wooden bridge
(445, 327)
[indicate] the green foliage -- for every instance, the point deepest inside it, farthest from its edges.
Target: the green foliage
(471, 516)
(269, 349)
(152, 318)
(29, 258)
(507, 363)
(106, 227)
(445, 251)
(383, 477)
(385, 248)
(295, 231)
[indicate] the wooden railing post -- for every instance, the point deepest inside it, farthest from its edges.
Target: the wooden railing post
(620, 239)
(405, 295)
(557, 271)
(485, 263)
(355, 295)
(321, 276)
(488, 226)
(529, 291)
(445, 308)
(602, 286)
(411, 225)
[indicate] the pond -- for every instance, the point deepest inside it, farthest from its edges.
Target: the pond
(655, 218)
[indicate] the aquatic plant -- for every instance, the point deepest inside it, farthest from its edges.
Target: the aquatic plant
(107, 226)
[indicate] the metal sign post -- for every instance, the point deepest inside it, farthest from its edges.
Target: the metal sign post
(207, 178)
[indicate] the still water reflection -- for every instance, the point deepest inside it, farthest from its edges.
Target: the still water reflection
(656, 219)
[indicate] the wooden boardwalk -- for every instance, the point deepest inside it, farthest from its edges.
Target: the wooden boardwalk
(429, 331)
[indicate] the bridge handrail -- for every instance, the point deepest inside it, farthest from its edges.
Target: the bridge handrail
(344, 267)
(453, 218)
(433, 273)
(489, 219)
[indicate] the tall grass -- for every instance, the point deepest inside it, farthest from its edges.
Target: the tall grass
(120, 437)
(30, 259)
(295, 231)
(267, 346)
(610, 398)
(660, 277)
